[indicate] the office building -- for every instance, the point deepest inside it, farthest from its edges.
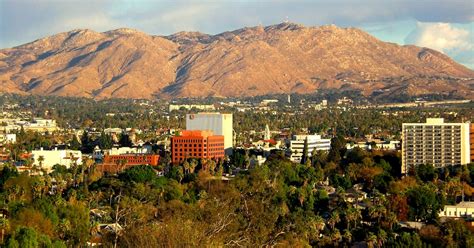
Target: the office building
(118, 163)
(435, 142)
(314, 142)
(202, 107)
(219, 124)
(461, 210)
(197, 144)
(46, 159)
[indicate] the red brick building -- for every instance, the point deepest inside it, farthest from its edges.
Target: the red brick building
(197, 144)
(117, 163)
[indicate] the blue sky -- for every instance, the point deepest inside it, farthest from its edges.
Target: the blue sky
(444, 25)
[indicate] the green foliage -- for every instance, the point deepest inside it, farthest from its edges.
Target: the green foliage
(87, 143)
(424, 203)
(6, 173)
(138, 174)
(125, 140)
(105, 141)
(26, 237)
(340, 181)
(75, 219)
(75, 143)
(338, 148)
(425, 172)
(304, 157)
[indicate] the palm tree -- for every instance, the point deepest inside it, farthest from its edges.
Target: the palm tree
(186, 167)
(347, 236)
(334, 219)
(371, 239)
(381, 238)
(316, 225)
(391, 219)
(192, 166)
(353, 215)
(335, 237)
(4, 225)
(35, 169)
(377, 212)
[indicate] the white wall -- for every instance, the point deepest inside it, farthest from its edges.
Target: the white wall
(219, 124)
(314, 142)
(53, 157)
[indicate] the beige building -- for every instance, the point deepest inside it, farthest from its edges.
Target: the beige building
(461, 210)
(209, 107)
(435, 142)
(219, 124)
(46, 159)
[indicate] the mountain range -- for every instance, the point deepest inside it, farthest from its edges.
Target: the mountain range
(281, 58)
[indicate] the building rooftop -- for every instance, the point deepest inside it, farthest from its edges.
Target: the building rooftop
(196, 133)
(465, 204)
(434, 120)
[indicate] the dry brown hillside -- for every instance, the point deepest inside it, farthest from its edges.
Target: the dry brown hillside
(282, 58)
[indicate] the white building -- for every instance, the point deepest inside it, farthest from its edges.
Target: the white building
(461, 210)
(7, 138)
(382, 145)
(435, 142)
(314, 142)
(114, 130)
(209, 107)
(41, 125)
(99, 154)
(219, 124)
(48, 158)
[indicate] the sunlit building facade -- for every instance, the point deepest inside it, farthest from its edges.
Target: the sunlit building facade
(435, 142)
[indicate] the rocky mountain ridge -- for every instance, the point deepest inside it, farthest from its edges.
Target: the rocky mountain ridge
(282, 58)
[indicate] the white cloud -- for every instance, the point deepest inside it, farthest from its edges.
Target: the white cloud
(442, 37)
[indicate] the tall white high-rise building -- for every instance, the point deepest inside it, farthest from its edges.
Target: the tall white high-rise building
(219, 124)
(435, 142)
(315, 142)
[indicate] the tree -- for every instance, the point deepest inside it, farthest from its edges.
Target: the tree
(425, 172)
(304, 156)
(334, 219)
(338, 147)
(125, 140)
(7, 172)
(371, 239)
(456, 234)
(353, 215)
(138, 174)
(377, 212)
(75, 215)
(75, 143)
(316, 225)
(424, 203)
(40, 161)
(105, 141)
(26, 237)
(87, 143)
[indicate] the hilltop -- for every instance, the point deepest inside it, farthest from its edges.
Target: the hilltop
(282, 58)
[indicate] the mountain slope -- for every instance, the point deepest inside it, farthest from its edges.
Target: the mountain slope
(281, 58)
